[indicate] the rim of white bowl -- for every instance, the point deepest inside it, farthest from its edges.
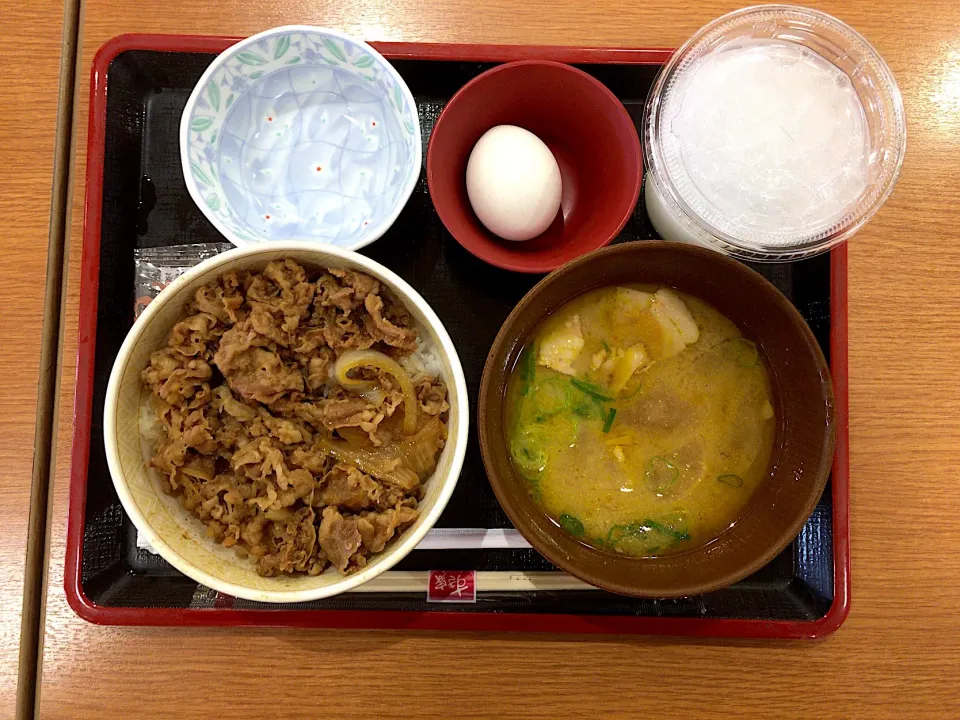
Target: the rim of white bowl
(372, 234)
(390, 556)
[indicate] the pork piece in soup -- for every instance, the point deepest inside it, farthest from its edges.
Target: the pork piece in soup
(642, 419)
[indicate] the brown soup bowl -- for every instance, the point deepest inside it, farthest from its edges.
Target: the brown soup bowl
(802, 397)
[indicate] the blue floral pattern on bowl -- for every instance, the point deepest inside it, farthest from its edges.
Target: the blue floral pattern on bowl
(301, 132)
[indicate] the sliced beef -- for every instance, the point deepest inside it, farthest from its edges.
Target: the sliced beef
(345, 411)
(252, 370)
(221, 300)
(292, 544)
(331, 294)
(402, 338)
(318, 369)
(360, 285)
(342, 332)
(282, 289)
(262, 445)
(377, 529)
(347, 487)
(339, 537)
(175, 378)
(193, 336)
(432, 395)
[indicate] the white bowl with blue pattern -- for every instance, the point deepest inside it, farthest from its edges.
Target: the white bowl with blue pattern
(301, 133)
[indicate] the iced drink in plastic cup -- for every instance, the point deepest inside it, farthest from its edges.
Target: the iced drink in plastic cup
(774, 133)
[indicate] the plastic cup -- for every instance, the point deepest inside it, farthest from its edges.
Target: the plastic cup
(773, 134)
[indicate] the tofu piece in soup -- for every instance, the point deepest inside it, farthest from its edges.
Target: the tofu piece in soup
(560, 348)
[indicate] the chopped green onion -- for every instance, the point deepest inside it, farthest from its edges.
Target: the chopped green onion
(608, 422)
(590, 408)
(731, 480)
(594, 391)
(571, 524)
(618, 533)
(585, 410)
(551, 396)
(528, 368)
(661, 473)
(605, 346)
(666, 530)
(528, 454)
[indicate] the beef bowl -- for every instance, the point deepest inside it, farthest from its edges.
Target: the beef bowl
(285, 421)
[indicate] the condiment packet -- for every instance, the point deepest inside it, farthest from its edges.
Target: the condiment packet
(157, 267)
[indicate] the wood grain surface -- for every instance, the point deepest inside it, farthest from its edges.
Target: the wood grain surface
(897, 656)
(30, 62)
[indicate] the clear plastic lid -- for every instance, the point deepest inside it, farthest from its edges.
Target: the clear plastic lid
(774, 133)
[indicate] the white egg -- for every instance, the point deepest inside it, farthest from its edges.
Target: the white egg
(513, 182)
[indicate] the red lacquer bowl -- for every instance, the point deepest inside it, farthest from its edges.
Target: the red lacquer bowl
(585, 126)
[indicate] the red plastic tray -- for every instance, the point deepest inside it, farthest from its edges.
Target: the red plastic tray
(436, 620)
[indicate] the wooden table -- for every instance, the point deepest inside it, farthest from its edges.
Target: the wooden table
(898, 655)
(30, 59)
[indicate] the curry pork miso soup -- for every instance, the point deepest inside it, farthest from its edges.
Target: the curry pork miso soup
(642, 419)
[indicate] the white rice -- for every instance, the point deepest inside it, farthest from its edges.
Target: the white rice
(425, 360)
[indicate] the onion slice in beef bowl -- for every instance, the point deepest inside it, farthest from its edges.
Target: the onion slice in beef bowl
(356, 359)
